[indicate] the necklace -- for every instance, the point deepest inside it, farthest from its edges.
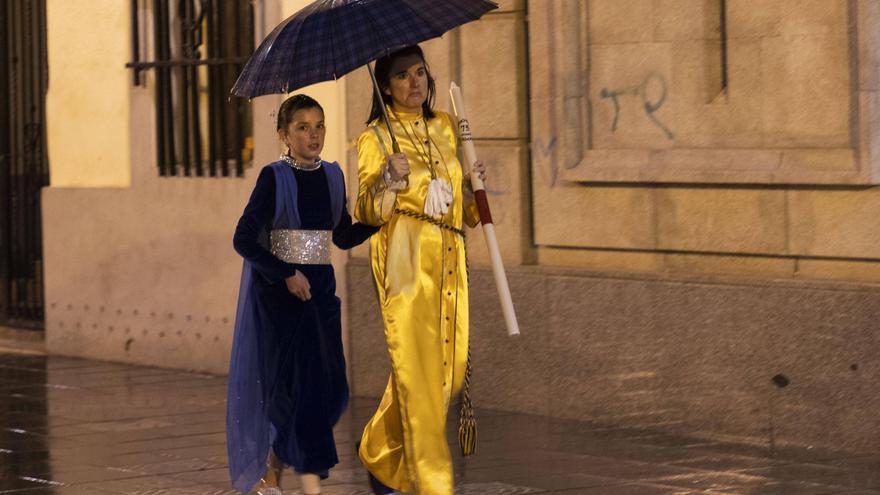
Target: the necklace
(300, 166)
(422, 149)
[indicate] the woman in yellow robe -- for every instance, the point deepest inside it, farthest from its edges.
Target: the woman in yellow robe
(418, 264)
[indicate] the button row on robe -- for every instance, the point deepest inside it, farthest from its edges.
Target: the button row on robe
(451, 282)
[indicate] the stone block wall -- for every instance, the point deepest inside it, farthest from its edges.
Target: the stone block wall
(671, 254)
(695, 355)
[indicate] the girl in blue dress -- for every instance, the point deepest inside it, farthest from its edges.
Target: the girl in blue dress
(287, 383)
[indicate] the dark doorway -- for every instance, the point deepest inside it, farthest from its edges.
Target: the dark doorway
(23, 164)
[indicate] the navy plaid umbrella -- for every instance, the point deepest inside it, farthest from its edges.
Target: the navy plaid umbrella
(330, 38)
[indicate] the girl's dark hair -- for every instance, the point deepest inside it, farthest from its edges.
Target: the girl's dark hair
(292, 105)
(383, 77)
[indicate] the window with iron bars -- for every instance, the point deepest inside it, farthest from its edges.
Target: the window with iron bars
(198, 48)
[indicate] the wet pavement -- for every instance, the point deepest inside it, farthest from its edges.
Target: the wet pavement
(71, 426)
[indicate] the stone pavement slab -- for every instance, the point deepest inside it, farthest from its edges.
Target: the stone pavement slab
(78, 427)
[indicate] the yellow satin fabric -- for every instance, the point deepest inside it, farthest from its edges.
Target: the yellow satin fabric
(421, 280)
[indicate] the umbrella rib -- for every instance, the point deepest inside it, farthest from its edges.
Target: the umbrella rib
(329, 38)
(334, 39)
(374, 41)
(337, 44)
(376, 32)
(331, 54)
(427, 21)
(258, 60)
(312, 9)
(265, 57)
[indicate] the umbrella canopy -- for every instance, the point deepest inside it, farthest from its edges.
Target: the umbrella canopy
(330, 38)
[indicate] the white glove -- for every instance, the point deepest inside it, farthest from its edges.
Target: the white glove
(439, 198)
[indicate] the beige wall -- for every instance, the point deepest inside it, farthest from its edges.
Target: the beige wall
(88, 102)
(144, 271)
(795, 131)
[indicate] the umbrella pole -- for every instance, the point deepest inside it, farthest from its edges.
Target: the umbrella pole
(394, 144)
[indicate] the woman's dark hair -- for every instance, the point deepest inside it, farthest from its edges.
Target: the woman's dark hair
(383, 77)
(293, 105)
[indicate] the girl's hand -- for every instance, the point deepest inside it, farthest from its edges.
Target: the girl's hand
(298, 285)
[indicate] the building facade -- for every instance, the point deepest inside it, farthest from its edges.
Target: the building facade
(684, 192)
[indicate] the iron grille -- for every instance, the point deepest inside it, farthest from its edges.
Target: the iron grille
(23, 163)
(198, 49)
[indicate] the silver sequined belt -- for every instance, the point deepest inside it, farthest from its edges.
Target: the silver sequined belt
(304, 247)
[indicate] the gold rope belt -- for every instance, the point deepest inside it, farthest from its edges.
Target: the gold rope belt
(428, 219)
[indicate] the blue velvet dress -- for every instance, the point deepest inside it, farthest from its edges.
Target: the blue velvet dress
(287, 384)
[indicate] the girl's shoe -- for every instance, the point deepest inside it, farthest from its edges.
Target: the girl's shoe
(310, 483)
(271, 483)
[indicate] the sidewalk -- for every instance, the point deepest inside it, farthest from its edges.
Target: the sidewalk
(71, 426)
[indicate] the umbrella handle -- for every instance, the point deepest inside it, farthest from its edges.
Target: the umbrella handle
(394, 145)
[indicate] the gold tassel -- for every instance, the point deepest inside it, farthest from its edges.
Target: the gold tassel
(467, 423)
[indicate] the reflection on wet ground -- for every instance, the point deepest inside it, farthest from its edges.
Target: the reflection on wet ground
(71, 426)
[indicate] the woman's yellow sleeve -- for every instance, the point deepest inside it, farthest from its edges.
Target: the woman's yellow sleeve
(375, 202)
(471, 216)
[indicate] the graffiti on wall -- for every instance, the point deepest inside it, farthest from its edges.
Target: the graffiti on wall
(651, 93)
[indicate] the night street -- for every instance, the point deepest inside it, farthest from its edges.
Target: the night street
(73, 426)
